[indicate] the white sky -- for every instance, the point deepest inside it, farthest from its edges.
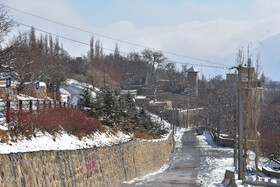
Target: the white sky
(197, 28)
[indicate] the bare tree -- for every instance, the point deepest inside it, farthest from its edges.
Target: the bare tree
(250, 98)
(6, 23)
(156, 59)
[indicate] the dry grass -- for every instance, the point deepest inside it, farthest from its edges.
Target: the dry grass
(4, 138)
(142, 135)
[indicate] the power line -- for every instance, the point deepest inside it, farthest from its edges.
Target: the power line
(116, 39)
(64, 37)
(84, 43)
(201, 65)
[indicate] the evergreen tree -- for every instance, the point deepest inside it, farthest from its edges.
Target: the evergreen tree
(97, 107)
(85, 99)
(91, 51)
(132, 112)
(32, 39)
(117, 52)
(97, 50)
(109, 102)
(56, 48)
(146, 121)
(46, 46)
(122, 111)
(51, 45)
(41, 44)
(101, 52)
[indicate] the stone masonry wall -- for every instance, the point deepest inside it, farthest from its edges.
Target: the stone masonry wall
(103, 166)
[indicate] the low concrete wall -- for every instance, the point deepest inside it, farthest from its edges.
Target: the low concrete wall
(229, 179)
(271, 173)
(104, 166)
(223, 142)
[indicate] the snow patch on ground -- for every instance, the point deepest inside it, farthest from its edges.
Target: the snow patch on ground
(64, 141)
(77, 83)
(220, 159)
(178, 136)
(156, 119)
(26, 97)
(273, 166)
(139, 180)
(178, 141)
(213, 168)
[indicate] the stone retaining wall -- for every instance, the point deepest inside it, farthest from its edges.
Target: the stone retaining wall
(103, 166)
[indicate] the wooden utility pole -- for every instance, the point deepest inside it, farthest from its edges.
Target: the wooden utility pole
(188, 102)
(219, 120)
(235, 135)
(104, 78)
(241, 173)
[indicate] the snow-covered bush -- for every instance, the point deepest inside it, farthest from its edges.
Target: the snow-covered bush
(53, 120)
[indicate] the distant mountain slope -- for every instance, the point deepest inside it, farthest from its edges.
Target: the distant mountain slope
(269, 51)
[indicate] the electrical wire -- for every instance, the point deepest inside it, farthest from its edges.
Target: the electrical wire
(84, 43)
(64, 37)
(116, 39)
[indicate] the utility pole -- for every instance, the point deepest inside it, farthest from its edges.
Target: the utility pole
(219, 120)
(104, 79)
(241, 173)
(188, 102)
(235, 135)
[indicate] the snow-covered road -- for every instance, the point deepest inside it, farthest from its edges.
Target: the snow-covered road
(196, 162)
(182, 169)
(73, 89)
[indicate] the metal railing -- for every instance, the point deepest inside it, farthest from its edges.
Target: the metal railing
(29, 105)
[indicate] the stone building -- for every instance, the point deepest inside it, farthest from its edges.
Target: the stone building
(30, 90)
(7, 93)
(231, 77)
(258, 85)
(192, 81)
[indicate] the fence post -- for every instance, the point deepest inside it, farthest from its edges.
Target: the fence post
(20, 106)
(64, 104)
(59, 103)
(38, 105)
(50, 104)
(30, 106)
(8, 110)
(44, 105)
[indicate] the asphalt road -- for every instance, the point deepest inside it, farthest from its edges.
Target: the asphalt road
(183, 168)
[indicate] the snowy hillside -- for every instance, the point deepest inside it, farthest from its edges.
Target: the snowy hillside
(65, 141)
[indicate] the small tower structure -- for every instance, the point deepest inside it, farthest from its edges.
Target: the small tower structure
(193, 81)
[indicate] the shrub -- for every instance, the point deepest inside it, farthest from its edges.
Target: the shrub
(270, 143)
(75, 122)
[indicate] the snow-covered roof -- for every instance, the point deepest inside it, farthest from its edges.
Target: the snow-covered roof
(42, 84)
(140, 97)
(128, 91)
(192, 70)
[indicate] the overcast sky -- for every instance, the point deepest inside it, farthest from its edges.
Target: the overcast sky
(207, 29)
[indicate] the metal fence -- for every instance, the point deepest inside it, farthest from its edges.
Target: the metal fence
(29, 105)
